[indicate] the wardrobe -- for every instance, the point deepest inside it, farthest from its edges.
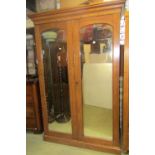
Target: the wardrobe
(78, 52)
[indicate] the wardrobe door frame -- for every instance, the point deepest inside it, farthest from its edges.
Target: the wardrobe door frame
(113, 20)
(125, 143)
(39, 29)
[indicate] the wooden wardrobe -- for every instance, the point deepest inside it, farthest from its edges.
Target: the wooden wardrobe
(78, 53)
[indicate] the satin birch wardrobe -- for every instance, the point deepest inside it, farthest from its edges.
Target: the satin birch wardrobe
(78, 54)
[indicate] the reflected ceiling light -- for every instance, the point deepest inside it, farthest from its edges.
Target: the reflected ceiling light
(49, 34)
(94, 42)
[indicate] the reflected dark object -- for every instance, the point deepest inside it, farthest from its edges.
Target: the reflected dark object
(63, 83)
(61, 118)
(56, 76)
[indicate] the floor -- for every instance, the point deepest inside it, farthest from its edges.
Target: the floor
(35, 145)
(60, 127)
(97, 123)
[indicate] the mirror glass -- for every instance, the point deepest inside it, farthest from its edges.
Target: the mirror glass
(96, 64)
(54, 51)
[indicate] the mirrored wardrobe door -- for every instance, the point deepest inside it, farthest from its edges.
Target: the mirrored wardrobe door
(96, 48)
(56, 80)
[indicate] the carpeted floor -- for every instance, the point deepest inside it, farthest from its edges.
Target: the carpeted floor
(60, 127)
(97, 123)
(35, 145)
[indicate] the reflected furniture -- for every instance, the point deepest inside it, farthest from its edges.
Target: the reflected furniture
(78, 53)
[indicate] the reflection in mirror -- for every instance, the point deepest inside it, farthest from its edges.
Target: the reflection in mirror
(56, 80)
(96, 63)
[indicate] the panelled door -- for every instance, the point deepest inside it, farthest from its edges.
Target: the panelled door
(56, 78)
(96, 72)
